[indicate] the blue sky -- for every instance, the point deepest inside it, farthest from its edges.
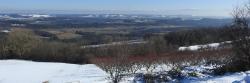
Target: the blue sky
(194, 7)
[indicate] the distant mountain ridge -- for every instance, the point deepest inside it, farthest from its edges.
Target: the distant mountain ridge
(116, 19)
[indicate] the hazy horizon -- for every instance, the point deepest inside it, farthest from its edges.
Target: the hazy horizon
(159, 7)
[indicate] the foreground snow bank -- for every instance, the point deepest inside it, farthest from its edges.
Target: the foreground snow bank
(17, 71)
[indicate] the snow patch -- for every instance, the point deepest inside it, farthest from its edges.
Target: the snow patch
(5, 31)
(190, 48)
(38, 15)
(16, 71)
(206, 46)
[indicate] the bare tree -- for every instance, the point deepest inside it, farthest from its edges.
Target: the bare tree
(115, 67)
(241, 42)
(133, 67)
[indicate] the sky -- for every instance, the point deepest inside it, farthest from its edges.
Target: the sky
(170, 7)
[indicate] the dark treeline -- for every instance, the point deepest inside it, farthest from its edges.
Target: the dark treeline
(198, 36)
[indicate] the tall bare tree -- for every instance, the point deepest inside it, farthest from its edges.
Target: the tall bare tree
(241, 39)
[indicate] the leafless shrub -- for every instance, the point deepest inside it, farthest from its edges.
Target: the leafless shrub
(115, 67)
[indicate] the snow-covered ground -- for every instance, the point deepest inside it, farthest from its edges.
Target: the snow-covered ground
(242, 77)
(19, 71)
